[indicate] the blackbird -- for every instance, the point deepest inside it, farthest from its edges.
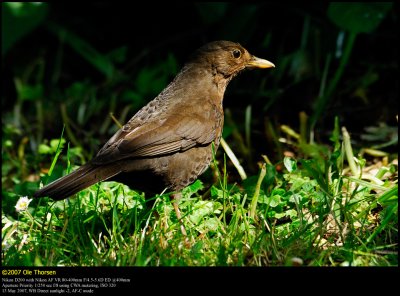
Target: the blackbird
(168, 143)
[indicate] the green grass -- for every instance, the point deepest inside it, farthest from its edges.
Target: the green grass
(318, 210)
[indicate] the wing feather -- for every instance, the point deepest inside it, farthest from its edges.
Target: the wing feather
(157, 138)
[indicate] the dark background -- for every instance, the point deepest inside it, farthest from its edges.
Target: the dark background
(148, 44)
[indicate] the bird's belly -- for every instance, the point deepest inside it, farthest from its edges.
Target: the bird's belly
(182, 169)
(174, 171)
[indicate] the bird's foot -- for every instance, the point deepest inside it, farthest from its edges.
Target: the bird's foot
(176, 198)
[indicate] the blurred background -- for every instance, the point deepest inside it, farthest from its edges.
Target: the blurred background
(75, 64)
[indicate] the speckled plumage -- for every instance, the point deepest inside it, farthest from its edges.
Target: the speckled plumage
(168, 143)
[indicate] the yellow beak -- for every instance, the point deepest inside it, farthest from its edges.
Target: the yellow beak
(259, 63)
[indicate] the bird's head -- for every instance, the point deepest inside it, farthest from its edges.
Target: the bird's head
(228, 58)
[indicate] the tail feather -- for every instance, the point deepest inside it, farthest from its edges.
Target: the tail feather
(76, 181)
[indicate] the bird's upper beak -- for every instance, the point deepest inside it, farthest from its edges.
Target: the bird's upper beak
(259, 63)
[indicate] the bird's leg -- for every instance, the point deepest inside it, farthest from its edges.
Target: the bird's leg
(176, 197)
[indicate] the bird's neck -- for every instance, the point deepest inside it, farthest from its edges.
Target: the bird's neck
(204, 77)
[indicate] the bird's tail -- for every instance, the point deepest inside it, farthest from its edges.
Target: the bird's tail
(76, 181)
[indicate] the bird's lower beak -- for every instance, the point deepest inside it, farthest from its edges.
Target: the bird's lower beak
(259, 63)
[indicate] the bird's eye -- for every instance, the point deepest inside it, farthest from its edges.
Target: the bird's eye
(236, 53)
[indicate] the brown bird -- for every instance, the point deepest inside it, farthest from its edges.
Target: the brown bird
(168, 143)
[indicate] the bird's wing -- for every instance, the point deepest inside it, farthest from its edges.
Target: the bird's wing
(158, 137)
